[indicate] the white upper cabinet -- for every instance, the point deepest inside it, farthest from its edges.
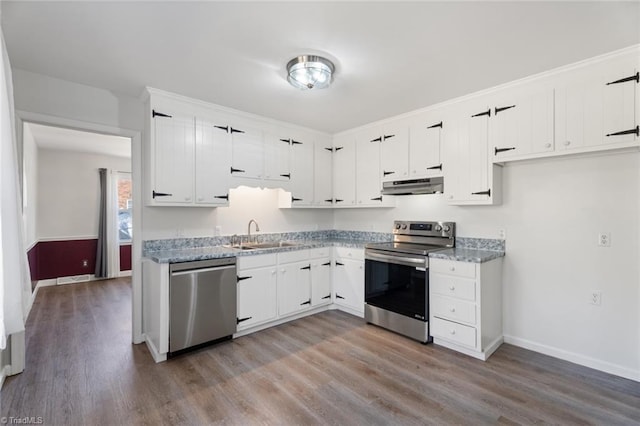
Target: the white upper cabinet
(521, 123)
(247, 148)
(212, 161)
(172, 158)
(425, 144)
(344, 171)
(470, 178)
(368, 183)
(323, 172)
(277, 157)
(302, 169)
(394, 151)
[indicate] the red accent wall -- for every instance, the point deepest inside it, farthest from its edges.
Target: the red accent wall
(53, 259)
(125, 257)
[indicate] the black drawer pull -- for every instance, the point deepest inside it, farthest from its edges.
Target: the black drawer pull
(635, 131)
(497, 150)
(438, 167)
(339, 264)
(338, 296)
(386, 173)
(308, 302)
(161, 194)
(236, 170)
(243, 278)
(155, 114)
(377, 199)
(239, 320)
(222, 197)
(328, 296)
(487, 192)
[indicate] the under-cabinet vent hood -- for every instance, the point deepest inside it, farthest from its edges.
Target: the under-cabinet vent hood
(433, 185)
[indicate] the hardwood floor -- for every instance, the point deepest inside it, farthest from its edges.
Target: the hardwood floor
(329, 368)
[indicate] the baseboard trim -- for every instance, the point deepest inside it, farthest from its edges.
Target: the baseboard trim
(4, 373)
(157, 357)
(575, 358)
(124, 273)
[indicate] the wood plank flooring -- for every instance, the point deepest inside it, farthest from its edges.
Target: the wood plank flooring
(330, 368)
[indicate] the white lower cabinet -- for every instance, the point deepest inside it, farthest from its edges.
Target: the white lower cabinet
(257, 291)
(320, 276)
(294, 282)
(465, 305)
(348, 279)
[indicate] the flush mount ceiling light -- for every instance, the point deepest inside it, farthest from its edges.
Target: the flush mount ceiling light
(310, 72)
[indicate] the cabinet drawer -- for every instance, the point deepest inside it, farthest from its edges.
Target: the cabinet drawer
(260, 261)
(349, 253)
(453, 309)
(454, 332)
(451, 267)
(293, 256)
(319, 252)
(462, 288)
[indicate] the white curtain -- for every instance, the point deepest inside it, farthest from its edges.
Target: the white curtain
(15, 280)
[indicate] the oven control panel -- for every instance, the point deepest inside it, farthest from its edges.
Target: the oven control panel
(429, 229)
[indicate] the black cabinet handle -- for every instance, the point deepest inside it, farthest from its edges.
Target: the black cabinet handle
(435, 125)
(308, 267)
(295, 199)
(225, 128)
(338, 148)
(329, 149)
(338, 296)
(294, 142)
(624, 80)
(385, 137)
(155, 114)
(438, 167)
(480, 114)
(286, 141)
(161, 194)
(500, 109)
(232, 130)
(237, 170)
(635, 131)
(308, 302)
(378, 139)
(243, 278)
(377, 198)
(327, 296)
(338, 200)
(487, 192)
(339, 264)
(330, 200)
(239, 320)
(497, 150)
(222, 197)
(326, 264)
(385, 173)
(287, 175)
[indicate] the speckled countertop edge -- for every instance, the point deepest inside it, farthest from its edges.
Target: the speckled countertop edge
(467, 255)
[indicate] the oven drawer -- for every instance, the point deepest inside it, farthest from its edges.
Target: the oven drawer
(454, 332)
(452, 267)
(453, 309)
(447, 285)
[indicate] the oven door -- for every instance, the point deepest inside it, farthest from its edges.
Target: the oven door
(398, 283)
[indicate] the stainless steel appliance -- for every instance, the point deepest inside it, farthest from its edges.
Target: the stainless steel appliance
(202, 302)
(397, 277)
(434, 185)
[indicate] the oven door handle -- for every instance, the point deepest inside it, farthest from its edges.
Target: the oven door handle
(417, 262)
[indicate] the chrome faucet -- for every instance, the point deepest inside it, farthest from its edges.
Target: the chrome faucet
(249, 229)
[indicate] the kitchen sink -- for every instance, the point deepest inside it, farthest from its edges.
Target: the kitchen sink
(265, 245)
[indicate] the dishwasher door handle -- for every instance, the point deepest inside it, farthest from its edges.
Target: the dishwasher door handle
(197, 271)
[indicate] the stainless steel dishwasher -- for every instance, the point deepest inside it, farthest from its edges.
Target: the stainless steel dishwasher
(202, 302)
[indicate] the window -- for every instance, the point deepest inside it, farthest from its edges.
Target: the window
(125, 204)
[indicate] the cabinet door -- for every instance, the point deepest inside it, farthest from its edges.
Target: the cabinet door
(257, 300)
(344, 171)
(522, 124)
(323, 173)
(368, 184)
(302, 171)
(173, 156)
(247, 151)
(277, 157)
(294, 287)
(425, 136)
(394, 151)
(212, 159)
(320, 281)
(348, 282)
(621, 87)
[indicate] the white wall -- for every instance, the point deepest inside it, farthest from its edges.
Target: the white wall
(553, 210)
(245, 204)
(30, 187)
(69, 192)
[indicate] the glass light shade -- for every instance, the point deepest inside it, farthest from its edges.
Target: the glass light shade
(310, 72)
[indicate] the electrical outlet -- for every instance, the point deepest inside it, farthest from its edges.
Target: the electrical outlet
(502, 234)
(85, 263)
(604, 239)
(595, 298)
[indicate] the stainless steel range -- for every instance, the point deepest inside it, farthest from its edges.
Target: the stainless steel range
(397, 277)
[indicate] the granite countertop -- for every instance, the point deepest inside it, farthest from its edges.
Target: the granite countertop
(214, 252)
(467, 255)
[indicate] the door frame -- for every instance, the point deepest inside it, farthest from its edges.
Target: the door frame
(136, 176)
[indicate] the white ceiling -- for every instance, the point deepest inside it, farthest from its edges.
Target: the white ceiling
(57, 138)
(391, 57)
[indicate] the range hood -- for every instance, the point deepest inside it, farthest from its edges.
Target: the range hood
(433, 185)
